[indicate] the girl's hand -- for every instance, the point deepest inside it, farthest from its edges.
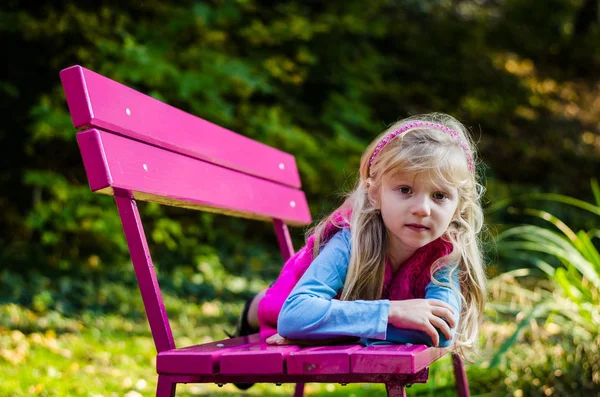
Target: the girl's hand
(280, 340)
(423, 315)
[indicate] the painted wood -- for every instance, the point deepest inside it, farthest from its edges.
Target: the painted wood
(394, 359)
(321, 360)
(462, 383)
(299, 390)
(428, 356)
(165, 387)
(158, 175)
(145, 274)
(284, 239)
(200, 359)
(97, 101)
(257, 358)
(395, 389)
(420, 377)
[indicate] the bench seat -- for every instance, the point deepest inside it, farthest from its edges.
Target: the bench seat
(249, 356)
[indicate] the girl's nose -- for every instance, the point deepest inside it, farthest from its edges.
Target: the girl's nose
(421, 206)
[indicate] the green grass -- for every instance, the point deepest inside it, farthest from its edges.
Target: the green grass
(48, 354)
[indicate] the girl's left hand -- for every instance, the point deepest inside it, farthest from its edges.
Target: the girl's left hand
(280, 340)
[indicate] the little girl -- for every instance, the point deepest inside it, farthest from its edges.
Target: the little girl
(399, 261)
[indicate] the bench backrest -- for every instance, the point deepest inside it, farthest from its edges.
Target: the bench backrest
(139, 148)
(163, 154)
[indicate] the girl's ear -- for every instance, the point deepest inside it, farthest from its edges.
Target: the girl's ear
(372, 194)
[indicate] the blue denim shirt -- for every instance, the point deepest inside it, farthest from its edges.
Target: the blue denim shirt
(311, 312)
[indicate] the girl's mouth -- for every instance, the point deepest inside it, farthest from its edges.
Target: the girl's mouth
(417, 227)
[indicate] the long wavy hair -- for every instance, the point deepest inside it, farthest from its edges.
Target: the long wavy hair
(435, 153)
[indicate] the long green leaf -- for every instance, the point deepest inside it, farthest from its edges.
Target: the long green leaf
(559, 252)
(570, 255)
(537, 310)
(595, 191)
(588, 249)
(545, 215)
(519, 291)
(583, 315)
(561, 278)
(511, 274)
(535, 234)
(595, 209)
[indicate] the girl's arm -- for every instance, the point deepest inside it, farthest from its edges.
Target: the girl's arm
(311, 312)
(432, 291)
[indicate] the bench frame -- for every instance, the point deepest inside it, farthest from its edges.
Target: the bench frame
(138, 148)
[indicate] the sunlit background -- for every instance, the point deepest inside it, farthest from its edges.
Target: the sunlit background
(318, 79)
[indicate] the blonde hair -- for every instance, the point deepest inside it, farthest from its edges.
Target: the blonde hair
(441, 157)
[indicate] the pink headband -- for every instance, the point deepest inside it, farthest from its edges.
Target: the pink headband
(456, 137)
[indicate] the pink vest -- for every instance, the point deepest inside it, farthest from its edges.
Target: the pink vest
(408, 282)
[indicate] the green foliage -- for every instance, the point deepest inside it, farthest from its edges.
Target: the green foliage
(110, 291)
(556, 367)
(570, 261)
(319, 80)
(73, 224)
(546, 360)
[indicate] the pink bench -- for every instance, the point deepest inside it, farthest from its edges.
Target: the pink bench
(134, 148)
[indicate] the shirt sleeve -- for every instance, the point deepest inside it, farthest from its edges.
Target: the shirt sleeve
(446, 275)
(311, 312)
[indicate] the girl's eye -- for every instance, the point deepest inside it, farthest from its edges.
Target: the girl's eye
(440, 196)
(404, 190)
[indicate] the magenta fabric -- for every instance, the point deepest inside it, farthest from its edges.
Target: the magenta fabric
(408, 282)
(271, 304)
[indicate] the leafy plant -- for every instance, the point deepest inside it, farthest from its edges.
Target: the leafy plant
(571, 263)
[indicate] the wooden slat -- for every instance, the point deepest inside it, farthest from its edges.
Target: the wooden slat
(419, 377)
(283, 238)
(394, 359)
(321, 360)
(97, 101)
(114, 163)
(145, 274)
(258, 358)
(426, 357)
(199, 359)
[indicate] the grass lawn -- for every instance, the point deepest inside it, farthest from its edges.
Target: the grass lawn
(43, 353)
(111, 355)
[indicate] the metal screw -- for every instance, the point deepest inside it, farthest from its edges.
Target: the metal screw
(220, 384)
(128, 112)
(220, 345)
(145, 167)
(292, 204)
(281, 166)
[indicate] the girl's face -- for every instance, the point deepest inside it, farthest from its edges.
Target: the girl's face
(415, 211)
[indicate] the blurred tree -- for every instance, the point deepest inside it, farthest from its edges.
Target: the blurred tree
(317, 79)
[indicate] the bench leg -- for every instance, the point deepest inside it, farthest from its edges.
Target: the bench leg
(462, 384)
(165, 387)
(299, 391)
(395, 390)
